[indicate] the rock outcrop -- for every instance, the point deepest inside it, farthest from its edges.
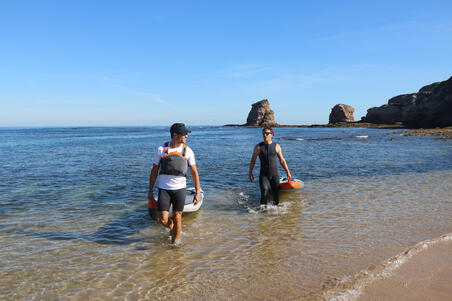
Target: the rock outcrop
(428, 108)
(341, 113)
(261, 115)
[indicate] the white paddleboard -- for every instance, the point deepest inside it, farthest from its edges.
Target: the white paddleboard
(189, 204)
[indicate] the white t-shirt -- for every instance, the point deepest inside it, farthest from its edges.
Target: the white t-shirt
(170, 182)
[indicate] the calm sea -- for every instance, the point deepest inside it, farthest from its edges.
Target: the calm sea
(74, 223)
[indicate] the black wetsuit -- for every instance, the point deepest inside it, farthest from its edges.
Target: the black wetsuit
(269, 174)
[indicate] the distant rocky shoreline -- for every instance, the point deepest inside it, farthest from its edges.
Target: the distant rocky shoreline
(444, 133)
(440, 133)
(357, 124)
(427, 112)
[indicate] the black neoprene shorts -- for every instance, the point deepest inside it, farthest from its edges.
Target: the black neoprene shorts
(173, 197)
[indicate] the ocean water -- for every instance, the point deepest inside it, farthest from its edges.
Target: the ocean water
(74, 223)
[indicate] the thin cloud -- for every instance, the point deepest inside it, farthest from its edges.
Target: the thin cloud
(248, 70)
(159, 18)
(292, 82)
(446, 27)
(151, 96)
(371, 31)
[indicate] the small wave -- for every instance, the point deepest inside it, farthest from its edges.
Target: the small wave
(242, 198)
(351, 287)
(270, 209)
(241, 194)
(324, 139)
(282, 208)
(362, 137)
(253, 210)
(293, 138)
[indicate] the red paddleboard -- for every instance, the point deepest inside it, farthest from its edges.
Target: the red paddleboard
(290, 184)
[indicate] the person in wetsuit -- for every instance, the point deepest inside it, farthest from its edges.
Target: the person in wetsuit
(173, 159)
(268, 151)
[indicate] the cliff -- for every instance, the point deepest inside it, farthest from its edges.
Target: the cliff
(430, 107)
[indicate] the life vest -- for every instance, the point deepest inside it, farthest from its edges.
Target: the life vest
(174, 163)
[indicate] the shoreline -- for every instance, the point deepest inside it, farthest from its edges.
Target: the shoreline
(328, 125)
(421, 272)
(441, 133)
(423, 276)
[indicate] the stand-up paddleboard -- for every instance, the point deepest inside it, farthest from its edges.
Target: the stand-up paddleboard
(286, 184)
(189, 203)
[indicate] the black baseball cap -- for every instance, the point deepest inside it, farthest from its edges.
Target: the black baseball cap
(179, 128)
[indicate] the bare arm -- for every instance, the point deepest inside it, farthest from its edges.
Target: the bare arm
(195, 178)
(282, 160)
(256, 152)
(152, 179)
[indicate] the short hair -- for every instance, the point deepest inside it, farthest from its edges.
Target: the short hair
(174, 127)
(268, 128)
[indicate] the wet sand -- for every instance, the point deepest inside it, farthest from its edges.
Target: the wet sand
(425, 276)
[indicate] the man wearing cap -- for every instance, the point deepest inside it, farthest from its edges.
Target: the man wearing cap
(173, 159)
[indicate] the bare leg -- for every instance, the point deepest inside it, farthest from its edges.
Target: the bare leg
(165, 221)
(177, 228)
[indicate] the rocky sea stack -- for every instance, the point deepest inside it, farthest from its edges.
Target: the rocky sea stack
(342, 113)
(261, 115)
(430, 107)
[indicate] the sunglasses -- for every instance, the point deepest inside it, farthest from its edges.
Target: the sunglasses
(267, 133)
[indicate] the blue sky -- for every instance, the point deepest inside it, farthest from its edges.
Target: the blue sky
(125, 63)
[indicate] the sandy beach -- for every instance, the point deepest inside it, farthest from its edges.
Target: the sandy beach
(427, 275)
